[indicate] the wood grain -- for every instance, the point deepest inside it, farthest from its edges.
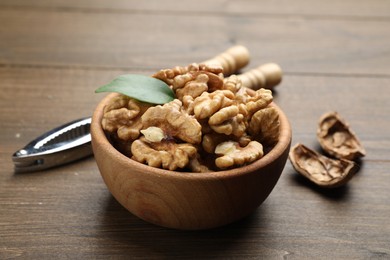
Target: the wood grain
(54, 54)
(347, 9)
(128, 41)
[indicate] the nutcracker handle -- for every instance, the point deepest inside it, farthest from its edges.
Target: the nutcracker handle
(231, 60)
(267, 76)
(235, 58)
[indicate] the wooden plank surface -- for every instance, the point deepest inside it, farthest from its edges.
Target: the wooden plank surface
(54, 54)
(128, 40)
(310, 8)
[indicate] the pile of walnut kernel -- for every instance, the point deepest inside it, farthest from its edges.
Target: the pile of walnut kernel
(214, 123)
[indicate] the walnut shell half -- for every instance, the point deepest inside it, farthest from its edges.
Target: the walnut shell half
(337, 139)
(321, 170)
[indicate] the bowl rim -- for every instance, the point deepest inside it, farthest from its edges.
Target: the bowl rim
(277, 151)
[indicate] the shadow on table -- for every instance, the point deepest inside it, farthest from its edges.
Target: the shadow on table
(136, 237)
(337, 194)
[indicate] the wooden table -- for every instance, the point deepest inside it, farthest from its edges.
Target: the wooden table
(54, 54)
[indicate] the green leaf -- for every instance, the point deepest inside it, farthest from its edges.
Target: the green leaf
(142, 88)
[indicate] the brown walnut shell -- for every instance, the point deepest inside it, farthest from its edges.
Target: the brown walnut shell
(321, 170)
(337, 139)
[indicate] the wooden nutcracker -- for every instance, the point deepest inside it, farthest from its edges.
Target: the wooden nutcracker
(235, 58)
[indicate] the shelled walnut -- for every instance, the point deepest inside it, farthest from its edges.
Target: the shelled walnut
(233, 154)
(214, 123)
(321, 170)
(123, 117)
(164, 154)
(265, 125)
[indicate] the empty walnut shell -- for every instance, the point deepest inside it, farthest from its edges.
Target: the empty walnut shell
(337, 139)
(321, 170)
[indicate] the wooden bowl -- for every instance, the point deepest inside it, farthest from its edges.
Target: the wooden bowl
(183, 200)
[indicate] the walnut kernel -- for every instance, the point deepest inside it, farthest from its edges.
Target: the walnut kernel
(122, 116)
(233, 154)
(265, 125)
(153, 134)
(174, 122)
(166, 155)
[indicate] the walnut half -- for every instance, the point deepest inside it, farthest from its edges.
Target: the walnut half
(169, 135)
(321, 170)
(235, 155)
(166, 154)
(265, 126)
(123, 117)
(337, 139)
(174, 122)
